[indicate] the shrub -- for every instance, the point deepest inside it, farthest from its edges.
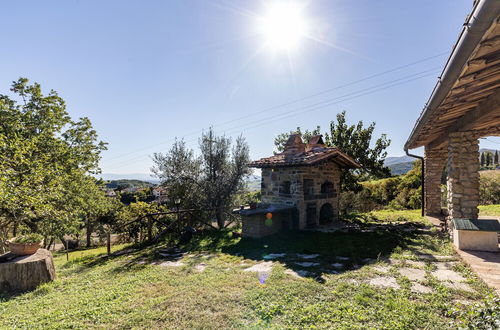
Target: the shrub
(483, 315)
(28, 239)
(489, 187)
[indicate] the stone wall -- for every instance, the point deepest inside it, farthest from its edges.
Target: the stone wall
(463, 175)
(302, 187)
(434, 162)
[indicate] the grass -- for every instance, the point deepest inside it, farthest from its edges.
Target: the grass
(127, 291)
(490, 210)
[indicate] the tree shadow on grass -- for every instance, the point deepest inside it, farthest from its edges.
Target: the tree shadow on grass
(352, 248)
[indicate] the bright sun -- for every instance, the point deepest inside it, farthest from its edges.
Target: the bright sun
(283, 26)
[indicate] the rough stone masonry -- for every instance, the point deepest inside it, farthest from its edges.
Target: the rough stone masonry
(300, 187)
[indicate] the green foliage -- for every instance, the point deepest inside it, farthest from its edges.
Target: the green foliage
(146, 227)
(483, 315)
(127, 183)
(28, 239)
(250, 197)
(401, 192)
(209, 183)
(142, 195)
(45, 162)
(489, 159)
(489, 187)
(357, 142)
(493, 210)
(130, 291)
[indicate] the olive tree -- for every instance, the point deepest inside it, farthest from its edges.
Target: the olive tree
(209, 182)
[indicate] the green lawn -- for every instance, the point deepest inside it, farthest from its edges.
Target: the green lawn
(490, 210)
(131, 291)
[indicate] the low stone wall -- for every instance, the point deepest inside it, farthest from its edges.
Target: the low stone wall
(263, 222)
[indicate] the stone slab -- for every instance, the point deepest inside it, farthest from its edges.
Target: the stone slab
(419, 288)
(416, 263)
(265, 266)
(307, 264)
(298, 273)
(381, 269)
(307, 256)
(171, 264)
(413, 274)
(272, 256)
(385, 282)
(200, 267)
(458, 286)
(448, 275)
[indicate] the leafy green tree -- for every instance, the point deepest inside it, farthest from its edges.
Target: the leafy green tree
(42, 151)
(142, 229)
(210, 182)
(483, 159)
(495, 159)
(356, 141)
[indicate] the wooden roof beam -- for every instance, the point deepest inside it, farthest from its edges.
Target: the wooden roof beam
(485, 110)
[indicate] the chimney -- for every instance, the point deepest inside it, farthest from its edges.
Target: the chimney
(294, 144)
(315, 142)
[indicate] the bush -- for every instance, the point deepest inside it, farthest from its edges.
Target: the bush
(483, 315)
(401, 192)
(489, 187)
(28, 239)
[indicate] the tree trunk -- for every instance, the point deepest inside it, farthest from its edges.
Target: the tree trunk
(220, 219)
(150, 228)
(89, 234)
(21, 273)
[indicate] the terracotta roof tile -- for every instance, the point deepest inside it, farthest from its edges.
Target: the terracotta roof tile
(312, 157)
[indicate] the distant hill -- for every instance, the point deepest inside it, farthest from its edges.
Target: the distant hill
(399, 165)
(400, 168)
(253, 183)
(130, 176)
(398, 160)
(126, 183)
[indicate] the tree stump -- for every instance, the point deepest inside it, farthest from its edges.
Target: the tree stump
(22, 273)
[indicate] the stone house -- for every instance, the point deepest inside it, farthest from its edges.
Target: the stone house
(300, 187)
(463, 107)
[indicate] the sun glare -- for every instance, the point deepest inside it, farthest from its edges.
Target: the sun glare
(283, 26)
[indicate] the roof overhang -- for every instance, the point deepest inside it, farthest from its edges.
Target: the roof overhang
(467, 95)
(280, 160)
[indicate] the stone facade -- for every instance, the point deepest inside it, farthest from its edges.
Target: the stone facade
(463, 175)
(300, 187)
(434, 162)
(313, 190)
(461, 157)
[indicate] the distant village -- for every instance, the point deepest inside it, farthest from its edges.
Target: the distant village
(130, 191)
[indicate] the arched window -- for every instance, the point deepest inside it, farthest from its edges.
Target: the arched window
(326, 214)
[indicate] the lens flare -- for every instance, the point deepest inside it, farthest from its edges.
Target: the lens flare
(283, 26)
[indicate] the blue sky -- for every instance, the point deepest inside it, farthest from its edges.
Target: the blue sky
(145, 72)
